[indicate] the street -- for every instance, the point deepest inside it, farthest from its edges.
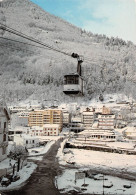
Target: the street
(42, 180)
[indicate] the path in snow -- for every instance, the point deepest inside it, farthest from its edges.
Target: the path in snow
(42, 180)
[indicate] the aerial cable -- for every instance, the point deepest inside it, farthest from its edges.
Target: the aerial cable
(6, 28)
(8, 39)
(13, 31)
(14, 47)
(24, 43)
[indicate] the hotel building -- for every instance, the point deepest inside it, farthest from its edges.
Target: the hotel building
(43, 117)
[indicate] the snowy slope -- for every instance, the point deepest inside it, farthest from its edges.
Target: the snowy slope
(30, 72)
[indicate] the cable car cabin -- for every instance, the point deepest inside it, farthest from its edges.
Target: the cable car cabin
(73, 84)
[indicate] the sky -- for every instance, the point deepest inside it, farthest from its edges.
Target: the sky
(110, 17)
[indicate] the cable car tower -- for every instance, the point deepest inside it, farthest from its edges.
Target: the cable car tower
(73, 83)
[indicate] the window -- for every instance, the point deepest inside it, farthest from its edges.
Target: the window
(33, 141)
(3, 151)
(5, 125)
(26, 141)
(4, 137)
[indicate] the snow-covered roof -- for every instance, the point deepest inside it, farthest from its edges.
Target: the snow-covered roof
(97, 132)
(19, 128)
(130, 129)
(26, 137)
(106, 115)
(36, 128)
(72, 74)
(51, 125)
(87, 113)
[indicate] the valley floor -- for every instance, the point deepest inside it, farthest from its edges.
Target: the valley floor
(56, 170)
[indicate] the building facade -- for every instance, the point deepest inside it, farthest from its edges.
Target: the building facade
(66, 118)
(101, 135)
(106, 121)
(26, 141)
(51, 129)
(43, 117)
(4, 119)
(87, 117)
(35, 131)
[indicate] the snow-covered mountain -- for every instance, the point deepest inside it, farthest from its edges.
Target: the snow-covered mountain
(30, 72)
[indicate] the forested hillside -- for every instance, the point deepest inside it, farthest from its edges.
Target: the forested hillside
(29, 72)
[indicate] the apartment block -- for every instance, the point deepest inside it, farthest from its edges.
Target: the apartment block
(42, 117)
(106, 121)
(87, 117)
(66, 118)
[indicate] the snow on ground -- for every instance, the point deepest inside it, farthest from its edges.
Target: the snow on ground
(40, 150)
(27, 170)
(48, 138)
(66, 182)
(6, 163)
(96, 159)
(88, 158)
(121, 145)
(35, 158)
(60, 151)
(110, 97)
(24, 174)
(129, 145)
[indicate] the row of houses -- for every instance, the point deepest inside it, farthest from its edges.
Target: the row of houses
(51, 121)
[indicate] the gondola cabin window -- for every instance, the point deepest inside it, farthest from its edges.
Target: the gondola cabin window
(71, 79)
(73, 84)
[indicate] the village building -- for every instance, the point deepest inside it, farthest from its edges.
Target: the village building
(95, 134)
(51, 129)
(18, 130)
(106, 120)
(19, 119)
(120, 123)
(35, 131)
(76, 125)
(26, 141)
(4, 119)
(66, 118)
(130, 133)
(87, 117)
(43, 117)
(15, 109)
(24, 114)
